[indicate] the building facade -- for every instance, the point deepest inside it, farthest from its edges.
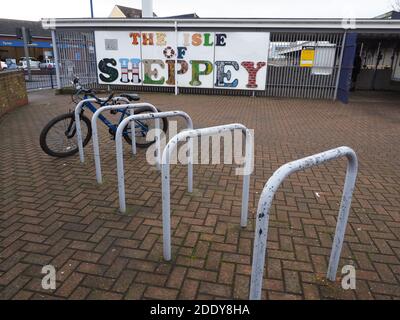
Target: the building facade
(11, 47)
(305, 58)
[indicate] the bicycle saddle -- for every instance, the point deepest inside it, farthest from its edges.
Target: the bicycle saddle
(131, 96)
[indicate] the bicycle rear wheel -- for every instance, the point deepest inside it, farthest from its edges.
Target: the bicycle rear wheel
(58, 137)
(142, 127)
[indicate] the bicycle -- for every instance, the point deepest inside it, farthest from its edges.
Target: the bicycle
(58, 138)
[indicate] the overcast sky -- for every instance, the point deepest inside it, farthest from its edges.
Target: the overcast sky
(35, 10)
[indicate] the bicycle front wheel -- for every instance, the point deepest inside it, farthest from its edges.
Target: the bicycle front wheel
(58, 137)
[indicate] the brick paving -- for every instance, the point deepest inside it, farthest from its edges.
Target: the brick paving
(53, 212)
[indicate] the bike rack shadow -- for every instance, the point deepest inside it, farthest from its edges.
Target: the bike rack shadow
(132, 107)
(119, 151)
(267, 195)
(165, 175)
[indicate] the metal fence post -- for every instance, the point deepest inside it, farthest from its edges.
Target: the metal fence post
(340, 66)
(51, 78)
(26, 52)
(176, 56)
(56, 59)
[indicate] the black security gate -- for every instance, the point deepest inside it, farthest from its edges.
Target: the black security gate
(40, 79)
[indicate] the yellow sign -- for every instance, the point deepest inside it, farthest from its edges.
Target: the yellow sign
(307, 57)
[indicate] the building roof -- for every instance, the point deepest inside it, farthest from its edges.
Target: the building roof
(235, 24)
(9, 26)
(184, 16)
(131, 12)
(389, 15)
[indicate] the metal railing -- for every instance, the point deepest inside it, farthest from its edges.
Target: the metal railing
(288, 77)
(165, 175)
(267, 195)
(77, 57)
(40, 79)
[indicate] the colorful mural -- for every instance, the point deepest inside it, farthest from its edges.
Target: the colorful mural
(230, 60)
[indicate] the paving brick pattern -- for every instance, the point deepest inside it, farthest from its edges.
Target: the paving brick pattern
(53, 212)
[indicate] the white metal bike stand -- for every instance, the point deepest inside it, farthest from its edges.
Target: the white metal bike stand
(119, 151)
(165, 175)
(78, 109)
(132, 107)
(267, 195)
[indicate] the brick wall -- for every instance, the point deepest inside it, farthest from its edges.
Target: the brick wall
(12, 91)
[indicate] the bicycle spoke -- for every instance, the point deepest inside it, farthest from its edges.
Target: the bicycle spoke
(57, 138)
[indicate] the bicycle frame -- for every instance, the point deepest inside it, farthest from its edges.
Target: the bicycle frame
(107, 122)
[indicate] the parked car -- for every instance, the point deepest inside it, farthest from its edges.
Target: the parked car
(47, 64)
(11, 63)
(34, 63)
(3, 65)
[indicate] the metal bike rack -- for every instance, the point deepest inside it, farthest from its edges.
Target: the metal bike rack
(78, 109)
(132, 107)
(165, 175)
(119, 152)
(267, 195)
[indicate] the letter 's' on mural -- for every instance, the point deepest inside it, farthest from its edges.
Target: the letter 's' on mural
(108, 74)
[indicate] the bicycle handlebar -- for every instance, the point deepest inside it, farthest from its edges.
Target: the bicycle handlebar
(100, 100)
(90, 92)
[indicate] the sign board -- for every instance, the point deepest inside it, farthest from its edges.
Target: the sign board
(223, 60)
(307, 57)
(20, 43)
(324, 60)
